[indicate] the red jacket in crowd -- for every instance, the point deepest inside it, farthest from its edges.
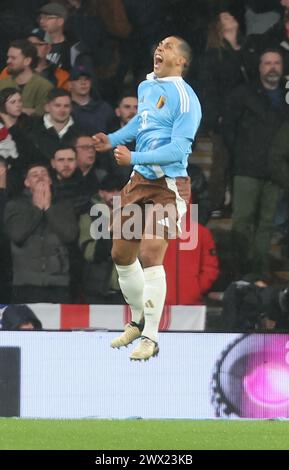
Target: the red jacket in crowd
(191, 273)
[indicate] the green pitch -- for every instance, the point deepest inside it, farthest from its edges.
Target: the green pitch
(142, 434)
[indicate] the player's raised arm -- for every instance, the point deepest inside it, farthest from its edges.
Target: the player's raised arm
(124, 135)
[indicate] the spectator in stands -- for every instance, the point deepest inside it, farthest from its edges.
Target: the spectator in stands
(278, 37)
(39, 230)
(21, 62)
(51, 20)
(68, 184)
(279, 158)
(15, 22)
(5, 256)
(91, 115)
(101, 28)
(126, 108)
(54, 74)
(93, 165)
(253, 115)
(67, 180)
(252, 304)
(20, 317)
(100, 280)
(57, 127)
(15, 147)
(279, 170)
(125, 111)
(86, 162)
(3, 177)
(226, 64)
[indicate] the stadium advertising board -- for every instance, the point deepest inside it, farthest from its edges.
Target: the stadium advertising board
(196, 375)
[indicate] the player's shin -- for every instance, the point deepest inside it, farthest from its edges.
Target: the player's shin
(131, 281)
(154, 299)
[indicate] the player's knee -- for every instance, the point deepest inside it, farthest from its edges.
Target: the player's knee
(116, 256)
(121, 257)
(149, 258)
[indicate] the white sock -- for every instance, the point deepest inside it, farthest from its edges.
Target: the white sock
(131, 281)
(155, 289)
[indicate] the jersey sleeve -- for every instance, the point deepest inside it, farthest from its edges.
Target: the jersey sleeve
(126, 134)
(170, 153)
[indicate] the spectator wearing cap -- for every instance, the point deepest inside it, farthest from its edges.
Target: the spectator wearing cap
(40, 231)
(91, 115)
(100, 282)
(57, 76)
(57, 127)
(52, 17)
(20, 317)
(21, 63)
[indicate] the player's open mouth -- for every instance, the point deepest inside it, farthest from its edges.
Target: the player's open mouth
(158, 59)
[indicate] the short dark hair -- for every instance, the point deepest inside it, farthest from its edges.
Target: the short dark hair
(273, 50)
(186, 51)
(5, 94)
(36, 164)
(77, 137)
(126, 94)
(56, 93)
(64, 147)
(27, 49)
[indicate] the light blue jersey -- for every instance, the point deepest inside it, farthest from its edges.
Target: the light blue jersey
(169, 114)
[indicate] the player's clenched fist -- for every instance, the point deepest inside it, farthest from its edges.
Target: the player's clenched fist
(101, 142)
(122, 155)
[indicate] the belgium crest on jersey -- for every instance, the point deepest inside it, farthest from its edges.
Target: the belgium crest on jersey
(161, 102)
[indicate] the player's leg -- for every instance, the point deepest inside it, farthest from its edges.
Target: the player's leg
(152, 254)
(131, 281)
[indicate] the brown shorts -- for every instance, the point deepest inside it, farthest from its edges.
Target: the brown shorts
(151, 208)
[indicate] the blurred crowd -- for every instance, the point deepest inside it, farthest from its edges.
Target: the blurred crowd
(70, 69)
